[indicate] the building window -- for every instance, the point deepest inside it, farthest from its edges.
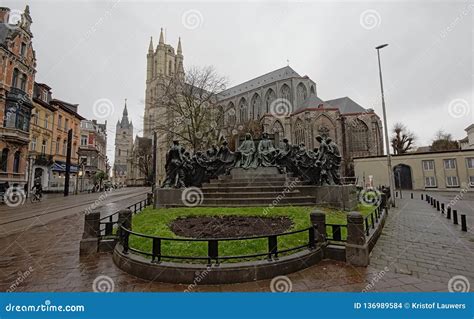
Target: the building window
(428, 165)
(33, 143)
(46, 119)
(16, 162)
(299, 132)
(359, 137)
(243, 110)
(43, 146)
(301, 93)
(4, 162)
(450, 163)
(83, 140)
(35, 117)
(452, 181)
(60, 121)
(470, 162)
(15, 76)
(64, 147)
(269, 98)
(23, 81)
(57, 145)
(23, 49)
(430, 181)
(66, 125)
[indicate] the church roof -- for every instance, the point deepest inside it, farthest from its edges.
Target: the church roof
(346, 105)
(311, 101)
(276, 75)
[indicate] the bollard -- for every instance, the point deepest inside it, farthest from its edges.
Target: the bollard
(442, 208)
(396, 194)
(318, 220)
(357, 251)
(437, 205)
(421, 196)
(90, 237)
(448, 212)
(455, 217)
(463, 222)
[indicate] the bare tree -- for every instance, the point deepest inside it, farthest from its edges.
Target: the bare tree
(143, 156)
(402, 139)
(444, 142)
(189, 108)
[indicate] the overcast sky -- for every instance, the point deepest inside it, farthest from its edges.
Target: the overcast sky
(92, 50)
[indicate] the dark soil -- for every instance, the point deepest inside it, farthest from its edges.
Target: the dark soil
(229, 226)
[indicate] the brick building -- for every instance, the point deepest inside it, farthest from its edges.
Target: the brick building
(17, 75)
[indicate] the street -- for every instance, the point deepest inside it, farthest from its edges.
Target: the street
(55, 206)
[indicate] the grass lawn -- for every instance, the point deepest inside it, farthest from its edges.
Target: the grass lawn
(156, 222)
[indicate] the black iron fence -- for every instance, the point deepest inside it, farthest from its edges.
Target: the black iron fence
(110, 223)
(373, 218)
(272, 252)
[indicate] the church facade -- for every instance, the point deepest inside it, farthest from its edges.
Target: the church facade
(284, 103)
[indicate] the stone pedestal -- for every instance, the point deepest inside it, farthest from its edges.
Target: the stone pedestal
(90, 237)
(238, 172)
(357, 250)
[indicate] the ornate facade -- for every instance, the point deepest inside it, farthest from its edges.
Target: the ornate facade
(17, 76)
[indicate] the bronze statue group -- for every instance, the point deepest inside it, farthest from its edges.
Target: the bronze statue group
(319, 166)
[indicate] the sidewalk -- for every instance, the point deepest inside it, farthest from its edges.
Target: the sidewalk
(421, 250)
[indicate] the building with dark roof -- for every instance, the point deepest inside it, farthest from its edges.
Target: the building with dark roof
(287, 105)
(281, 102)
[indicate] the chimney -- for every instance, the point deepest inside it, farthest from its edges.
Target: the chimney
(4, 14)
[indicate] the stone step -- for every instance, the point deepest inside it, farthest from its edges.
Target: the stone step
(254, 179)
(263, 176)
(258, 201)
(256, 189)
(245, 184)
(230, 195)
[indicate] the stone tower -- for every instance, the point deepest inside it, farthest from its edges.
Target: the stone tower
(123, 146)
(162, 64)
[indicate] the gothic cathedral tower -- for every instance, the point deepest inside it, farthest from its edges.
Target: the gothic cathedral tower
(123, 147)
(162, 65)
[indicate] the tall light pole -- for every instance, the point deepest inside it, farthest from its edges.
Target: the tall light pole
(387, 144)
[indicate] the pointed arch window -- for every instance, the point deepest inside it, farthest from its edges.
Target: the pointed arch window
(269, 98)
(301, 93)
(285, 92)
(243, 110)
(256, 107)
(231, 117)
(359, 137)
(299, 132)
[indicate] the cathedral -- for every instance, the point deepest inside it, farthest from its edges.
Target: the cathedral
(357, 130)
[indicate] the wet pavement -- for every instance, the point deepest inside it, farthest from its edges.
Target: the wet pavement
(418, 251)
(26, 215)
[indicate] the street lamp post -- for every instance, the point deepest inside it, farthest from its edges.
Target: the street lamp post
(387, 145)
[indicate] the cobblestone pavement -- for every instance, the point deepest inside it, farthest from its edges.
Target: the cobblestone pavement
(418, 251)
